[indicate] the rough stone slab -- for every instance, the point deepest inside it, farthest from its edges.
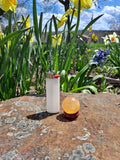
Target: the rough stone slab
(28, 132)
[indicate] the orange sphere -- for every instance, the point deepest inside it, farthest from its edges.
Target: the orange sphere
(71, 105)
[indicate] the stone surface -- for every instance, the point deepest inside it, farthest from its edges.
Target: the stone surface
(28, 132)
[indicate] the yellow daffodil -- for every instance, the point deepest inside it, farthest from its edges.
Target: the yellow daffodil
(31, 40)
(1, 35)
(62, 21)
(46, 52)
(64, 17)
(90, 28)
(84, 3)
(26, 25)
(95, 38)
(76, 13)
(23, 38)
(7, 45)
(27, 21)
(93, 35)
(54, 40)
(70, 11)
(88, 50)
(8, 5)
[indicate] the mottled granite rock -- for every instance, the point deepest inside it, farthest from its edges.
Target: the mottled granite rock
(28, 132)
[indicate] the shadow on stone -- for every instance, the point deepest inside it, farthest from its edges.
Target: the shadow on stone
(39, 116)
(36, 95)
(61, 118)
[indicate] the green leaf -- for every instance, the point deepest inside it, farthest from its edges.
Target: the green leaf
(94, 78)
(90, 87)
(65, 84)
(9, 22)
(40, 24)
(12, 35)
(56, 48)
(86, 91)
(35, 21)
(55, 25)
(70, 53)
(80, 74)
(89, 24)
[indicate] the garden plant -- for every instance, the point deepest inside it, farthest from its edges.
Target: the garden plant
(24, 62)
(112, 43)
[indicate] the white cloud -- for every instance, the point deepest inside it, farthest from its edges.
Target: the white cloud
(21, 11)
(46, 18)
(112, 10)
(110, 14)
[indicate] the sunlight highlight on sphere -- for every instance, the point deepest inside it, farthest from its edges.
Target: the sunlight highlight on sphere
(71, 105)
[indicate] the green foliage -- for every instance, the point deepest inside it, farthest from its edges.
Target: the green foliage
(112, 43)
(104, 86)
(106, 69)
(14, 63)
(115, 56)
(80, 56)
(81, 82)
(23, 64)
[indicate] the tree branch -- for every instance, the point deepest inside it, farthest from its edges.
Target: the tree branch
(61, 1)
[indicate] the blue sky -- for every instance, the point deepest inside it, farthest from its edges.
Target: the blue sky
(110, 9)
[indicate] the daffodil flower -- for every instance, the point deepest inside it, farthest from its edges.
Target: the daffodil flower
(1, 35)
(88, 50)
(27, 21)
(62, 21)
(95, 38)
(90, 28)
(7, 45)
(114, 38)
(65, 15)
(8, 5)
(31, 40)
(106, 40)
(93, 35)
(83, 3)
(23, 38)
(74, 12)
(70, 11)
(27, 25)
(54, 40)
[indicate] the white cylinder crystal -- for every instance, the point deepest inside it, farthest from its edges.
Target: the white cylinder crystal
(53, 94)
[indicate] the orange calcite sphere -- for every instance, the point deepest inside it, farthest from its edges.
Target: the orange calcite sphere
(71, 105)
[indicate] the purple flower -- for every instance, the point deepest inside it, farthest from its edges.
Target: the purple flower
(100, 56)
